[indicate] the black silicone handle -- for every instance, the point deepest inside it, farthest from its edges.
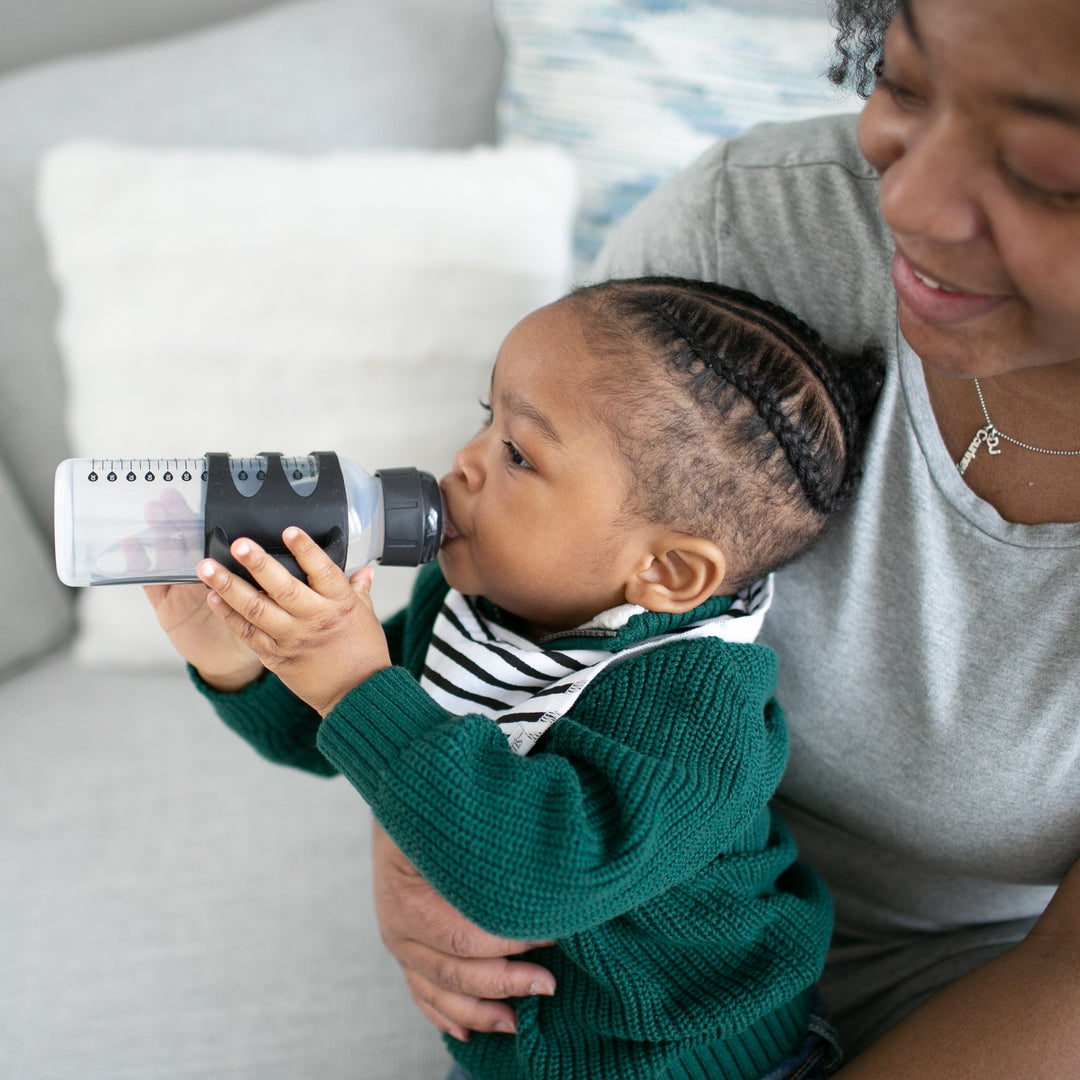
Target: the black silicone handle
(263, 516)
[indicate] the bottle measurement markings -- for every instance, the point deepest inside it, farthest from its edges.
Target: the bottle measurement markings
(243, 469)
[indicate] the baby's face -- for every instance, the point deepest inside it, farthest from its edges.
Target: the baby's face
(537, 497)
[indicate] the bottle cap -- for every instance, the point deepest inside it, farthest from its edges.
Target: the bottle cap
(413, 508)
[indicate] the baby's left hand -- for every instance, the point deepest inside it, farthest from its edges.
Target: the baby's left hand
(321, 639)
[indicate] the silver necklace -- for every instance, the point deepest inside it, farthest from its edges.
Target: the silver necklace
(991, 436)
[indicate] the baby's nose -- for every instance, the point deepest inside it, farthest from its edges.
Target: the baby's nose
(468, 464)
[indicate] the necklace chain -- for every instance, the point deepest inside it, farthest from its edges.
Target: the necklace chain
(991, 436)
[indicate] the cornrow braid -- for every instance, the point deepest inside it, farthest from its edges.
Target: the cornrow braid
(743, 425)
(812, 476)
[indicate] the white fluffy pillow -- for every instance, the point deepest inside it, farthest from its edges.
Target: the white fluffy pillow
(245, 301)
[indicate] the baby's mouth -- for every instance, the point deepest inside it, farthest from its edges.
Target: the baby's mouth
(449, 529)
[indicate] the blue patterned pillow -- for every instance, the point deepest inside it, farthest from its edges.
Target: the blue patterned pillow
(636, 89)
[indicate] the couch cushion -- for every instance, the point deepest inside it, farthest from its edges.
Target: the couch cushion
(636, 89)
(39, 30)
(35, 613)
(175, 907)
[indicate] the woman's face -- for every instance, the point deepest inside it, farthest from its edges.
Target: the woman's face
(974, 128)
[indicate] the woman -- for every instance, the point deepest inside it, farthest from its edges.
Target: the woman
(930, 669)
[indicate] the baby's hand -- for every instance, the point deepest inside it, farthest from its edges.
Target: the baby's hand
(320, 639)
(219, 656)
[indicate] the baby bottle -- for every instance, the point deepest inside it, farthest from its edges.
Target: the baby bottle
(152, 520)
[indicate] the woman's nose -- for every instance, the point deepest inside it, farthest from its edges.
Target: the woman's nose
(930, 175)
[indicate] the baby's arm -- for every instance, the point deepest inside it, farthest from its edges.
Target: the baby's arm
(320, 639)
(577, 849)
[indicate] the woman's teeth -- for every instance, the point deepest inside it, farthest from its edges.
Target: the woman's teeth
(929, 281)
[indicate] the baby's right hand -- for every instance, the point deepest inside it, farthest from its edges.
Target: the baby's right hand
(219, 656)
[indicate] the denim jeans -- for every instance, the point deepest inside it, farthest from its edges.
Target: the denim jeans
(817, 1057)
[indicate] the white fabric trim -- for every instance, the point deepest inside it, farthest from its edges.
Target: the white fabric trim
(475, 665)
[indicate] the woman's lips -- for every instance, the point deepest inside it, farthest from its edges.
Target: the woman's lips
(935, 302)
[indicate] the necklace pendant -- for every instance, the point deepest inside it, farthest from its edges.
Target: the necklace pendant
(983, 435)
(992, 439)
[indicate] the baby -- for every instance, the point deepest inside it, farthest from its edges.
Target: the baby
(570, 731)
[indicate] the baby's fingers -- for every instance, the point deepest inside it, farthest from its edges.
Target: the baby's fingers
(360, 583)
(244, 608)
(323, 574)
(258, 641)
(288, 593)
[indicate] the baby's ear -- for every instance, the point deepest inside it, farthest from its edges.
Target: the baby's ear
(681, 572)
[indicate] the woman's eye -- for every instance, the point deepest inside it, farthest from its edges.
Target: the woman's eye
(514, 457)
(904, 98)
(488, 413)
(1040, 193)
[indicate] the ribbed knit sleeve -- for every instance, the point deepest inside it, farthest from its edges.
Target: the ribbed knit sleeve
(280, 726)
(667, 760)
(269, 716)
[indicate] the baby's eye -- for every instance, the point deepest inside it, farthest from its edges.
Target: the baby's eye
(514, 457)
(488, 413)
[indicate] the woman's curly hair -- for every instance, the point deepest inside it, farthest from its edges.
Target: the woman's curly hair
(860, 26)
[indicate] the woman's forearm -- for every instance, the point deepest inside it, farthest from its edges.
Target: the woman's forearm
(1017, 1016)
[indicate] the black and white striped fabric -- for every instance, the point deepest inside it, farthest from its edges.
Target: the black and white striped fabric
(474, 665)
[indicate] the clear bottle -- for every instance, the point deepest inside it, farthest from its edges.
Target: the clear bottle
(152, 520)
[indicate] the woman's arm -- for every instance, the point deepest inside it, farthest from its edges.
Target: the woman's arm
(457, 973)
(1017, 1016)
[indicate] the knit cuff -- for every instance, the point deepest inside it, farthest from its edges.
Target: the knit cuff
(250, 707)
(368, 729)
(269, 716)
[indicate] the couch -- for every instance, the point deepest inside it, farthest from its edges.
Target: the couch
(174, 907)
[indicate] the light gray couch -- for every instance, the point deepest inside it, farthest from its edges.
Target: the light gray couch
(170, 906)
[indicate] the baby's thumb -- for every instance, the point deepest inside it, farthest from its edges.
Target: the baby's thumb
(360, 583)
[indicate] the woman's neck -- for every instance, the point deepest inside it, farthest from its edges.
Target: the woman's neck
(1038, 406)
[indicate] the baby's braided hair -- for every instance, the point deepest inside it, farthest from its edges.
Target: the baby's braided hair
(745, 429)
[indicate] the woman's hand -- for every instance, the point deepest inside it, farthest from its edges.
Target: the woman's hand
(320, 639)
(455, 971)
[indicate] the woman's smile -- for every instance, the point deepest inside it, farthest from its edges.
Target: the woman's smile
(935, 302)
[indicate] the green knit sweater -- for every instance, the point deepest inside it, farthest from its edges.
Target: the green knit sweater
(637, 835)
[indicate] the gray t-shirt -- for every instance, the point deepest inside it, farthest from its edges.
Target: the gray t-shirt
(929, 664)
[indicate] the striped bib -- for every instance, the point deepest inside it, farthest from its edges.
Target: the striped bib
(475, 665)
